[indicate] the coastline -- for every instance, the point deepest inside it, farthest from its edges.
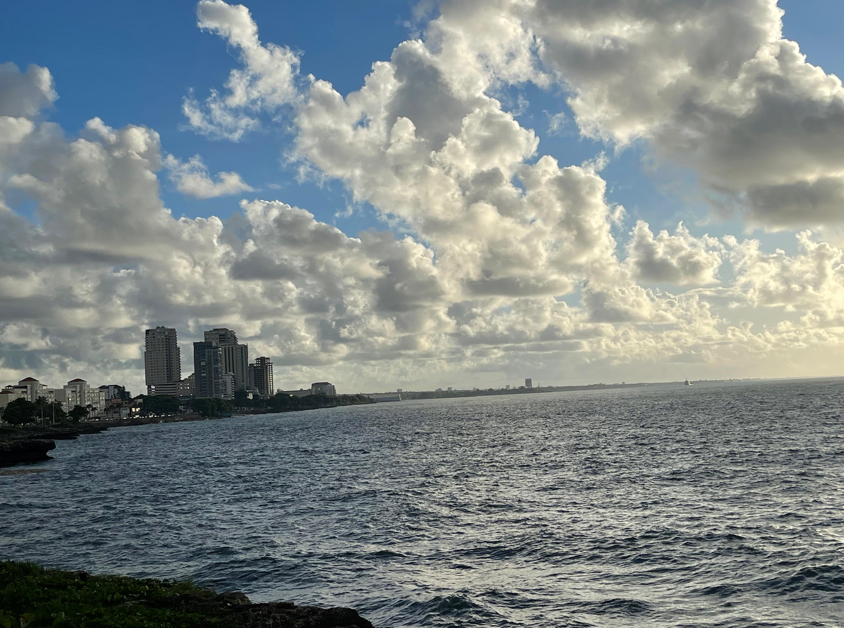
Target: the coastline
(31, 444)
(34, 595)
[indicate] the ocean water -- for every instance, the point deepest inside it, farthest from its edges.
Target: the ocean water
(710, 505)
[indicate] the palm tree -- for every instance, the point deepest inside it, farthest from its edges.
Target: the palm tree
(41, 404)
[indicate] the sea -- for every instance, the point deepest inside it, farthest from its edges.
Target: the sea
(718, 504)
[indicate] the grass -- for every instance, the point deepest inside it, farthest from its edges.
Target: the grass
(34, 597)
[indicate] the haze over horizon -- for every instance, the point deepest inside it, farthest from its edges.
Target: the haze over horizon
(425, 195)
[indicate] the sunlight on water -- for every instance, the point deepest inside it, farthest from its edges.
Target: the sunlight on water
(718, 505)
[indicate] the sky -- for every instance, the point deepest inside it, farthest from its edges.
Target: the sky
(415, 195)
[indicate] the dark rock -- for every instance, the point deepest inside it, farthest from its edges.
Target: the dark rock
(286, 615)
(241, 613)
(17, 451)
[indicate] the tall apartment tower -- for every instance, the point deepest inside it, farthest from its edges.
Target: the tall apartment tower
(208, 370)
(235, 356)
(262, 376)
(162, 361)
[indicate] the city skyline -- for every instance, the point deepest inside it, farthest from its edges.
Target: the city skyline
(465, 195)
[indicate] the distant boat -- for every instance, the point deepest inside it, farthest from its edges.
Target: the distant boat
(688, 383)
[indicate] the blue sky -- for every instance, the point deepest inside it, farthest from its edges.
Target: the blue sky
(129, 65)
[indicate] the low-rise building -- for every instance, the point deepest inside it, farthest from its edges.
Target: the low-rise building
(323, 388)
(9, 394)
(302, 392)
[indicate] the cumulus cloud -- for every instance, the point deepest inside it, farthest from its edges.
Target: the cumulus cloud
(192, 178)
(24, 94)
(680, 259)
(507, 260)
(713, 86)
(267, 80)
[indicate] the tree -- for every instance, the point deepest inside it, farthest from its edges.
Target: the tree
(161, 404)
(78, 413)
(19, 412)
(211, 407)
(55, 411)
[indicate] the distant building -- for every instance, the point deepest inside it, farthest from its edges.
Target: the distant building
(302, 392)
(449, 389)
(261, 376)
(9, 394)
(187, 387)
(32, 388)
(384, 397)
(323, 388)
(77, 393)
(528, 383)
(114, 391)
(228, 387)
(235, 355)
(507, 387)
(208, 370)
(162, 361)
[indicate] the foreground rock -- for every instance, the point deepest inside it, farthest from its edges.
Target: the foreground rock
(239, 612)
(33, 596)
(19, 445)
(19, 451)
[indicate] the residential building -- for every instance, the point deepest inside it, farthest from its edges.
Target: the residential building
(77, 393)
(323, 388)
(162, 361)
(228, 388)
(187, 387)
(32, 388)
(528, 383)
(9, 394)
(302, 392)
(208, 370)
(261, 376)
(115, 391)
(235, 355)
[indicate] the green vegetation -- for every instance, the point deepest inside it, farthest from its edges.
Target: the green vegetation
(281, 402)
(211, 407)
(19, 412)
(33, 597)
(161, 405)
(78, 413)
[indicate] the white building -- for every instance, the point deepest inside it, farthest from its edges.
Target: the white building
(323, 388)
(9, 394)
(228, 386)
(77, 393)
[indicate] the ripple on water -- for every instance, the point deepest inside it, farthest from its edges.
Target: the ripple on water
(662, 506)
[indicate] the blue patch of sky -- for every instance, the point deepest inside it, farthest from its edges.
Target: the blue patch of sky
(133, 64)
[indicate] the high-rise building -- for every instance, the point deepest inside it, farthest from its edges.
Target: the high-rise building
(235, 355)
(221, 336)
(208, 370)
(528, 383)
(162, 361)
(261, 375)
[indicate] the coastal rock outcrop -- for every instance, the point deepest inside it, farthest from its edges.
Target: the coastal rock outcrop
(241, 613)
(30, 450)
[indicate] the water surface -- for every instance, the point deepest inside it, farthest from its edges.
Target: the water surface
(711, 505)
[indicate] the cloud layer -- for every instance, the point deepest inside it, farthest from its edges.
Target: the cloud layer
(508, 263)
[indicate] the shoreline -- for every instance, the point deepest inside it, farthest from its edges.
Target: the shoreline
(52, 597)
(30, 444)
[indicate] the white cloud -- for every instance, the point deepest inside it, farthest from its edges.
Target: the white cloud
(192, 178)
(266, 82)
(498, 231)
(680, 259)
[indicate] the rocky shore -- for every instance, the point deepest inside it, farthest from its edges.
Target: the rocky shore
(33, 596)
(31, 444)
